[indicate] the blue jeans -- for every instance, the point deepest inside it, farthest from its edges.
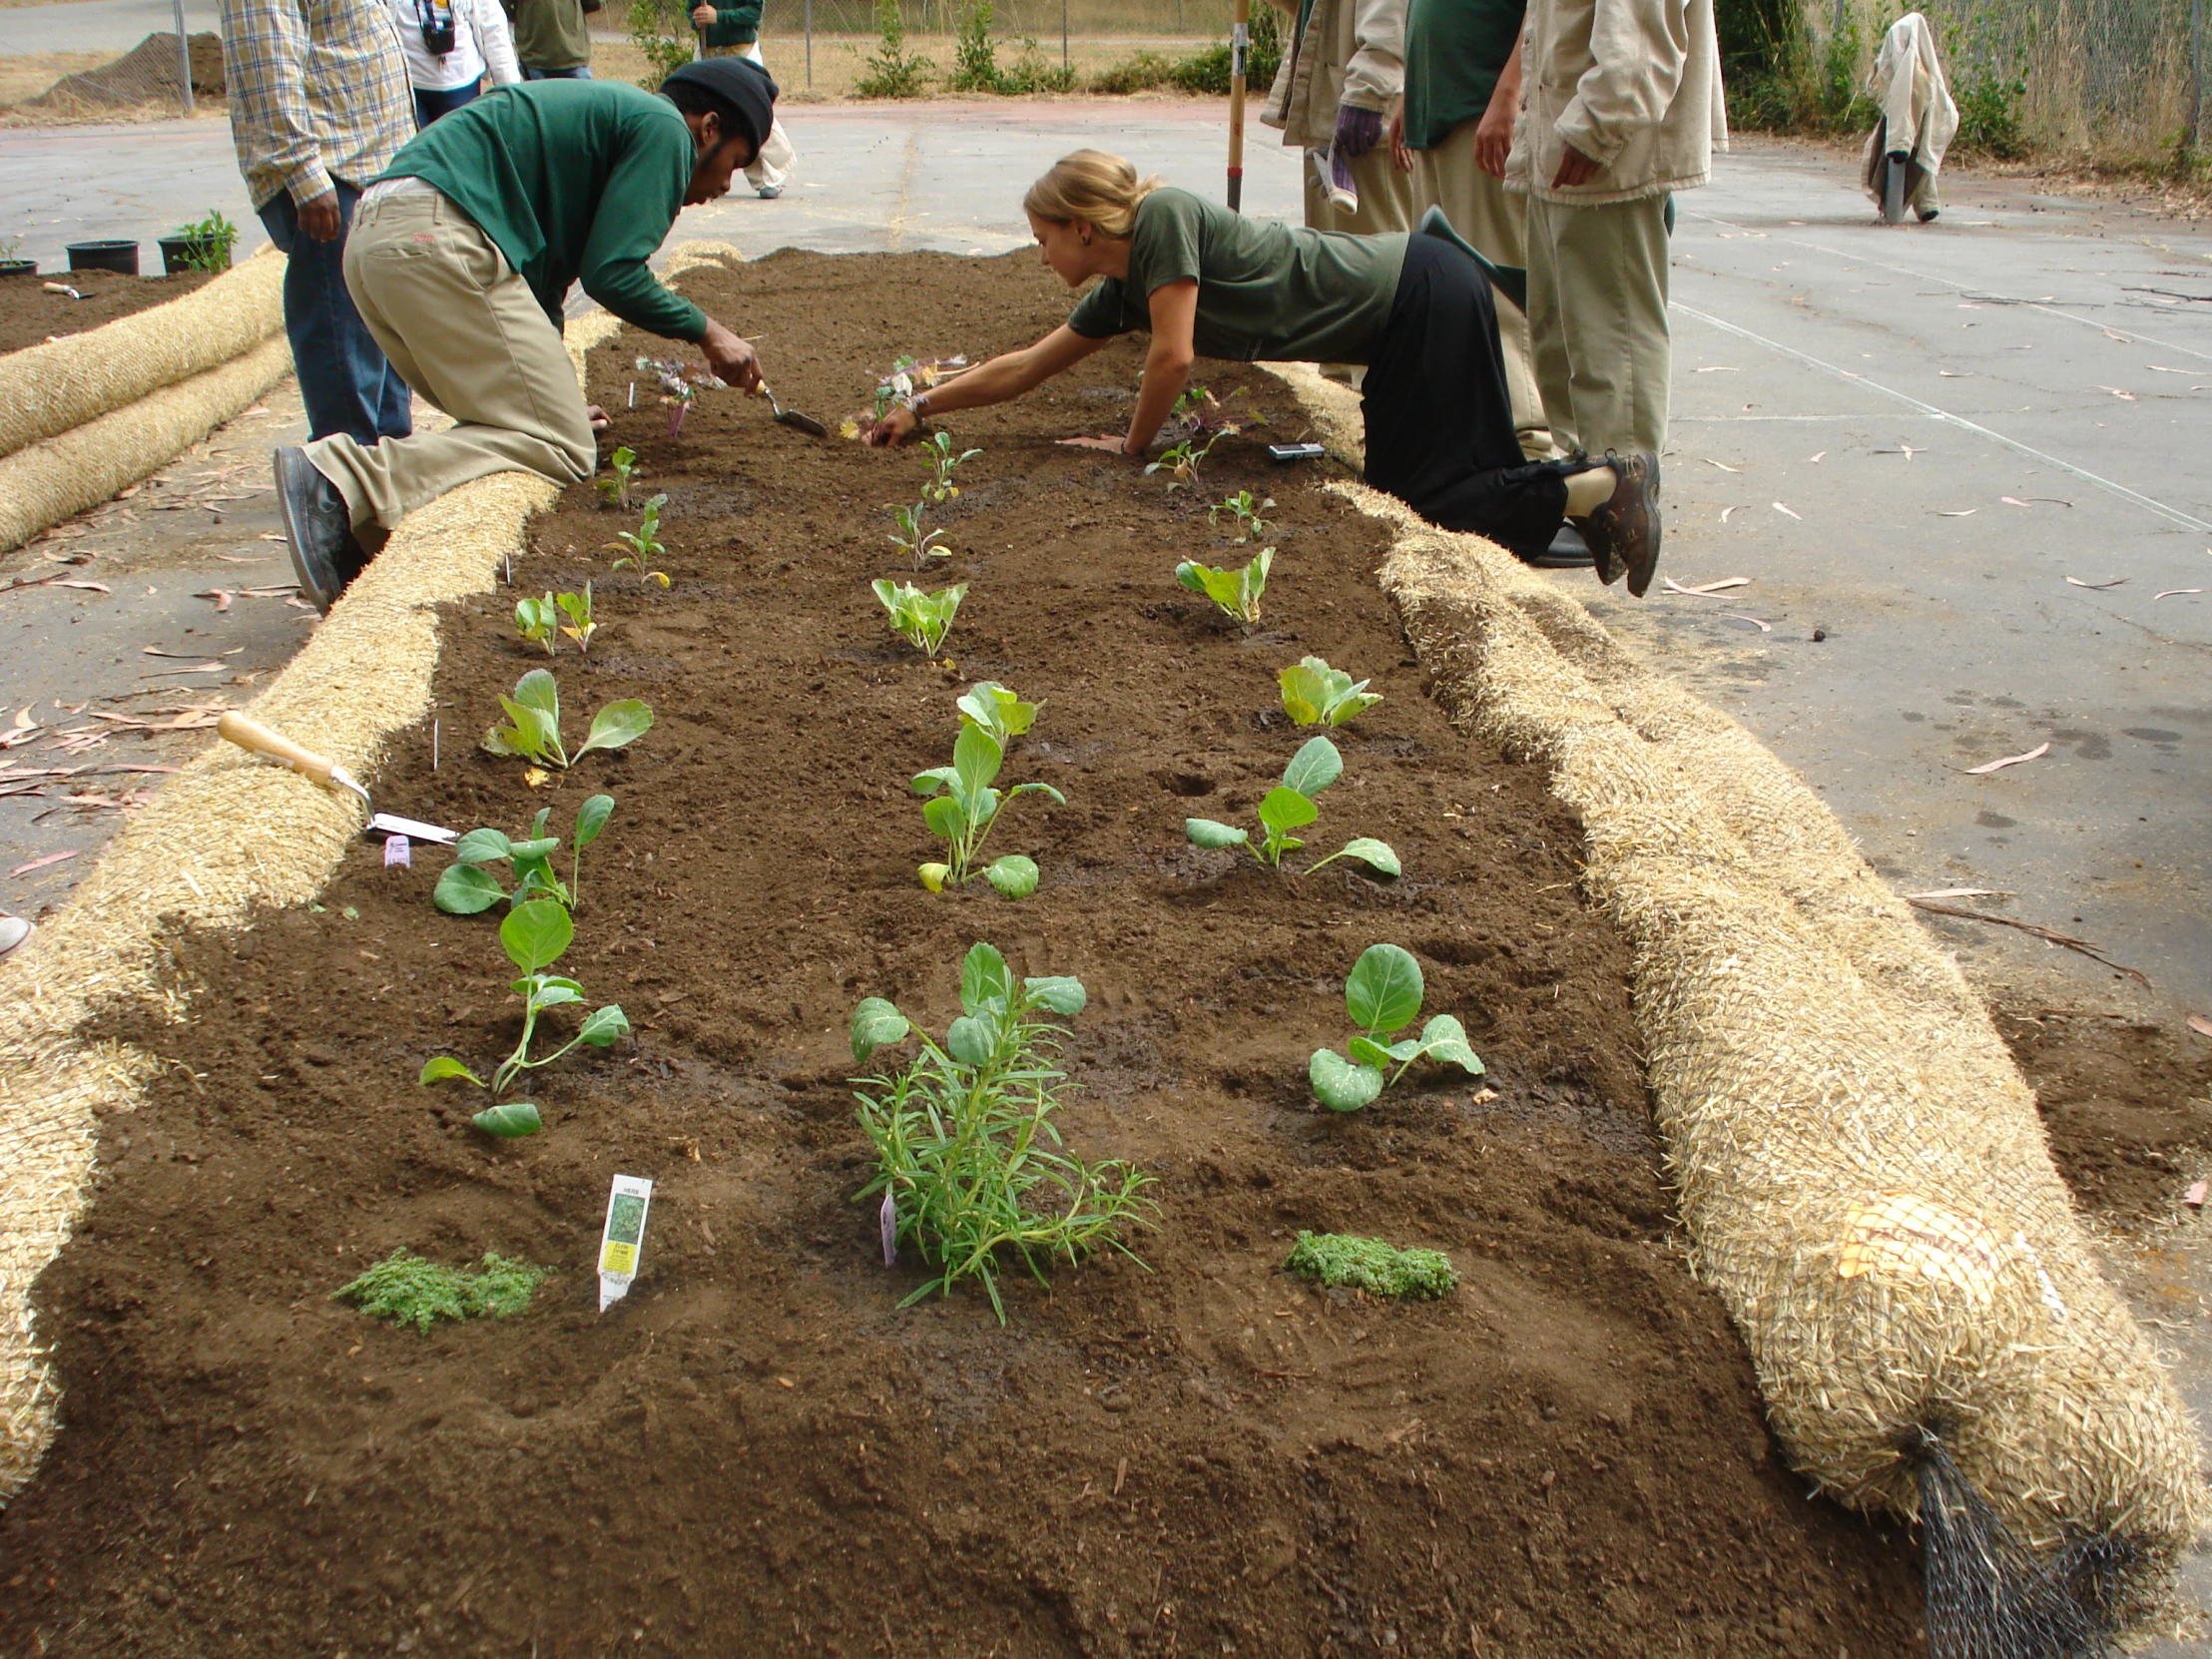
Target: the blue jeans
(431, 104)
(582, 71)
(345, 381)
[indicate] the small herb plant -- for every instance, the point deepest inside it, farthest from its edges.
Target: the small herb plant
(538, 622)
(944, 464)
(916, 543)
(470, 886)
(1246, 513)
(1373, 1265)
(536, 935)
(921, 619)
(623, 470)
(1314, 694)
(965, 1148)
(964, 814)
(644, 543)
(208, 242)
(1290, 806)
(406, 1290)
(533, 729)
(1382, 995)
(579, 626)
(1237, 592)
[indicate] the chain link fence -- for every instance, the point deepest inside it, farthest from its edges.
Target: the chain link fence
(1040, 20)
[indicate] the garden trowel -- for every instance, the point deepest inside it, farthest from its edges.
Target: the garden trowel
(252, 734)
(792, 417)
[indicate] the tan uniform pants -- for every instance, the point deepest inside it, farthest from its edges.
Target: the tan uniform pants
(1597, 315)
(468, 334)
(1495, 219)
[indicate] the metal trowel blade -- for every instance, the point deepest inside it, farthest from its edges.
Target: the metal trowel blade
(390, 823)
(805, 422)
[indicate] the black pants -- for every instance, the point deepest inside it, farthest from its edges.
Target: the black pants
(1439, 420)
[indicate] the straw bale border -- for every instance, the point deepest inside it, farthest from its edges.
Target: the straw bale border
(47, 390)
(1861, 1168)
(257, 836)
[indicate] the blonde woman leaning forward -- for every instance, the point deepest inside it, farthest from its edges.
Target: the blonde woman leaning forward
(1413, 309)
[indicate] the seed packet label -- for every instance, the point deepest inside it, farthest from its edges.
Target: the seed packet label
(622, 1237)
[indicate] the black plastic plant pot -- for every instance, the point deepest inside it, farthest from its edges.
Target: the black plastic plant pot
(187, 253)
(18, 268)
(121, 256)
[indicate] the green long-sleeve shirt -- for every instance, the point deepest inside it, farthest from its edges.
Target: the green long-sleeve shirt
(736, 23)
(574, 182)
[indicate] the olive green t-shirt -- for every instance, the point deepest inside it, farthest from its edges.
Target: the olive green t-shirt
(1454, 52)
(551, 34)
(1265, 291)
(575, 182)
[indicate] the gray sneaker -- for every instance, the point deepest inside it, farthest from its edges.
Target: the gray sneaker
(324, 555)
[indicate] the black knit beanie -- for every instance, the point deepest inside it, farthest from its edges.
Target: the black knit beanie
(741, 84)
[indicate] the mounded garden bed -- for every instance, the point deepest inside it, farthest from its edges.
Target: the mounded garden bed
(29, 315)
(758, 1452)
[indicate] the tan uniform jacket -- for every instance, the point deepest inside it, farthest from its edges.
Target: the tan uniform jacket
(1635, 85)
(1350, 52)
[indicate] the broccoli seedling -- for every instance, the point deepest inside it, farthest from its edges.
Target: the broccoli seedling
(1370, 1265)
(1249, 525)
(533, 731)
(579, 626)
(1383, 994)
(1290, 806)
(1237, 592)
(1002, 714)
(961, 1137)
(614, 491)
(918, 544)
(1314, 694)
(938, 447)
(406, 1290)
(921, 619)
(535, 936)
(468, 887)
(969, 807)
(644, 543)
(537, 621)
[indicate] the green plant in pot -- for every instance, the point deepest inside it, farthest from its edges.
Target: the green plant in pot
(202, 245)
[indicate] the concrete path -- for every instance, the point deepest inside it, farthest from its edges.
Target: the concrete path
(96, 25)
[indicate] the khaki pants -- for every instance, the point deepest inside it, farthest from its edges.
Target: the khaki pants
(1495, 219)
(468, 334)
(777, 159)
(1597, 313)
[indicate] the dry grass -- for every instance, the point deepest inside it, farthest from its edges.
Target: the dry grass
(842, 60)
(27, 76)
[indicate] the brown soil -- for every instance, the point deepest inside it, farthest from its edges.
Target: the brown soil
(29, 315)
(757, 1452)
(2127, 1105)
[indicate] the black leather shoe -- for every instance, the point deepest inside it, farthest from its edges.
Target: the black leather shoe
(1624, 531)
(324, 555)
(1569, 551)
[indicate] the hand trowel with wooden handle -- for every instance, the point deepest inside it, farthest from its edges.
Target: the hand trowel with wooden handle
(250, 734)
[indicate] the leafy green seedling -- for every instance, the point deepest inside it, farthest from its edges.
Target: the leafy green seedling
(921, 619)
(537, 621)
(406, 1290)
(533, 729)
(1182, 459)
(613, 490)
(964, 814)
(579, 626)
(644, 543)
(1290, 806)
(1314, 694)
(943, 462)
(536, 935)
(1370, 1265)
(1236, 591)
(916, 543)
(468, 885)
(960, 1137)
(1249, 525)
(998, 711)
(1382, 995)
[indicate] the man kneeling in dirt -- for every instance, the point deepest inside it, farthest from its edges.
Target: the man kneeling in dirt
(461, 257)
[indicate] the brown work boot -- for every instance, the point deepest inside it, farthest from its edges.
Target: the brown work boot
(1624, 533)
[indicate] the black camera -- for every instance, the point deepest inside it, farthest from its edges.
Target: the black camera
(437, 26)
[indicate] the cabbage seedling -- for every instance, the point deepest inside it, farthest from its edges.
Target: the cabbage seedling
(921, 619)
(964, 814)
(1181, 460)
(918, 544)
(579, 626)
(536, 935)
(1249, 525)
(533, 729)
(644, 543)
(998, 712)
(536, 621)
(964, 1143)
(1382, 995)
(1236, 591)
(1314, 694)
(1290, 806)
(614, 491)
(470, 887)
(939, 448)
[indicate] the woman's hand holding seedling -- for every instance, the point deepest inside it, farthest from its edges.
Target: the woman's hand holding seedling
(1383, 994)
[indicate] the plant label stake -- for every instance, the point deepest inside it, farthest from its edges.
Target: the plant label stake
(622, 1237)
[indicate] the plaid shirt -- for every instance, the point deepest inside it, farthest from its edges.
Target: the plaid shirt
(318, 92)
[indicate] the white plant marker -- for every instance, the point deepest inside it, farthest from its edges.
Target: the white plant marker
(622, 1237)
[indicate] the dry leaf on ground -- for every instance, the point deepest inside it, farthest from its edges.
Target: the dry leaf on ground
(2035, 754)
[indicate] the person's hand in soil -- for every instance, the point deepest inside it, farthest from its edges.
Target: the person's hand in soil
(1113, 443)
(320, 218)
(893, 430)
(732, 358)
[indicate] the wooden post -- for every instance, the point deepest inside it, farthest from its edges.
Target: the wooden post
(1239, 42)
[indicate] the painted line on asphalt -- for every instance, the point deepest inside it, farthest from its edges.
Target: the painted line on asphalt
(2173, 515)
